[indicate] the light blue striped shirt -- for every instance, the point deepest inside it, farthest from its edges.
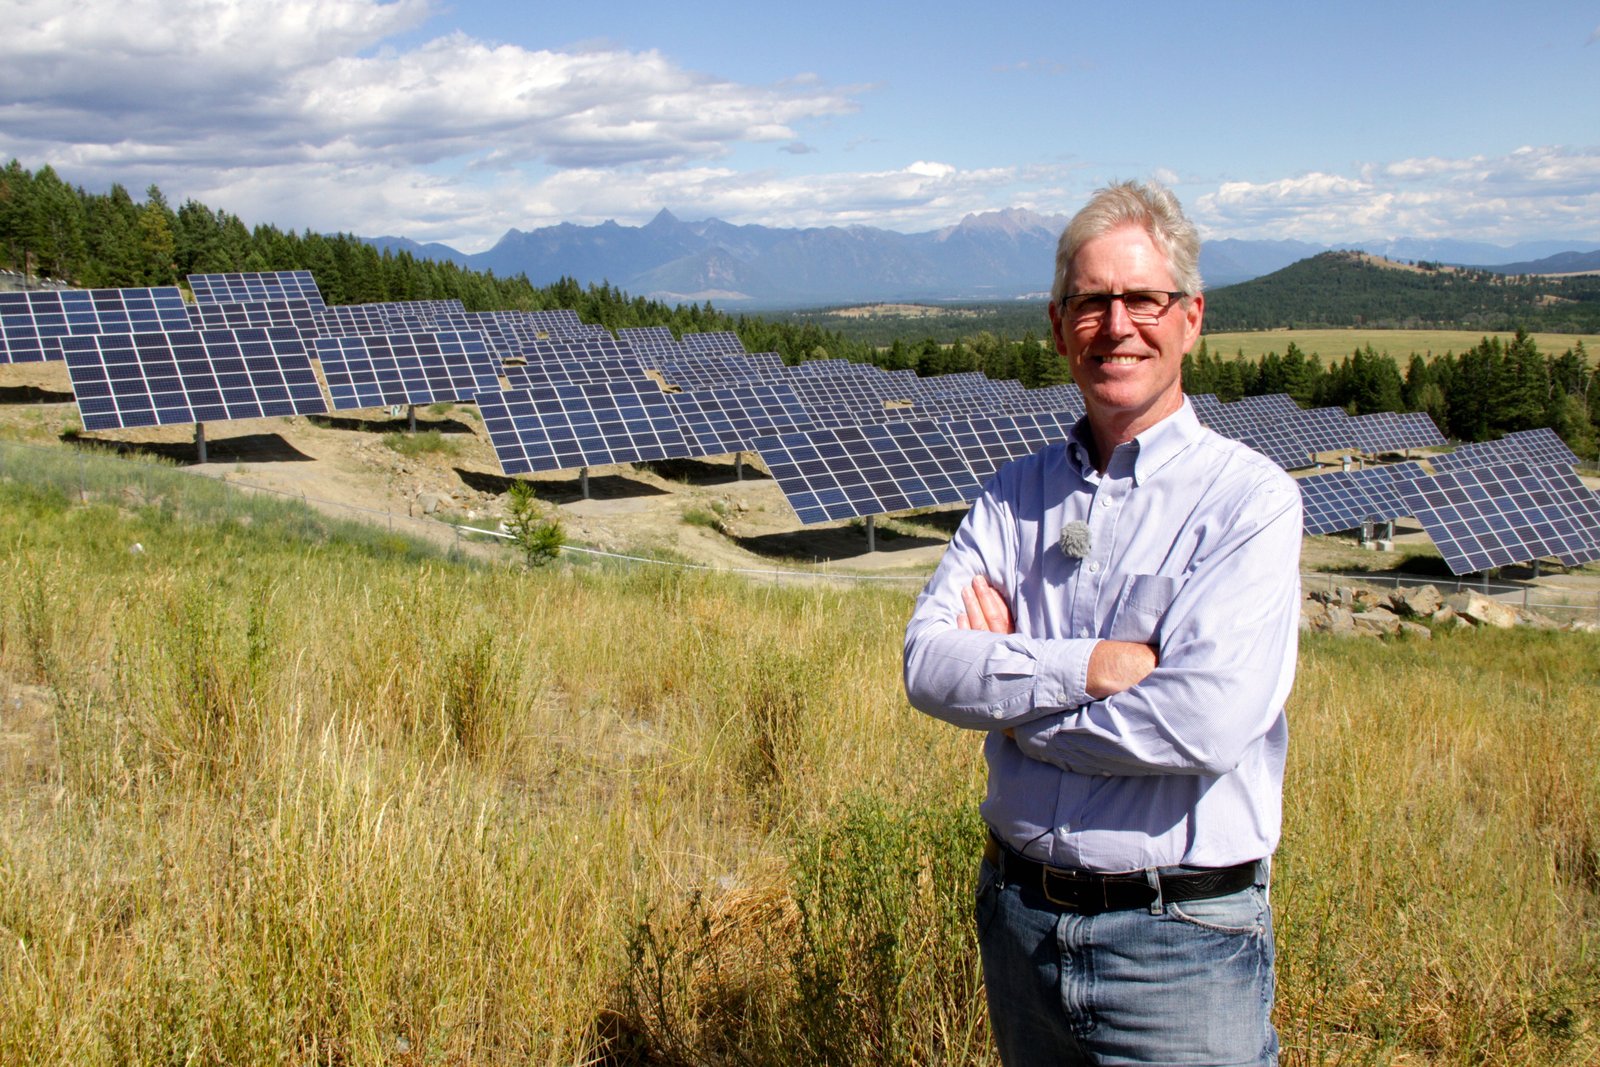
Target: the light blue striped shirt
(1194, 548)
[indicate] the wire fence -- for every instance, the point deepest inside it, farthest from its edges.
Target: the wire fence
(462, 538)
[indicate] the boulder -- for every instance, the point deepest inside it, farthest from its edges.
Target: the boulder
(1368, 599)
(1417, 602)
(1481, 611)
(1415, 630)
(1313, 615)
(1341, 621)
(1378, 621)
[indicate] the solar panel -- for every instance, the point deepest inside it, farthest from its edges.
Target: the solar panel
(32, 324)
(728, 419)
(159, 379)
(1490, 516)
(1579, 530)
(541, 372)
(1332, 502)
(867, 470)
(1392, 431)
(242, 314)
(1540, 446)
(581, 425)
(690, 371)
(988, 443)
(649, 336)
(246, 286)
(405, 368)
(716, 343)
(1051, 399)
(352, 320)
(559, 349)
(559, 322)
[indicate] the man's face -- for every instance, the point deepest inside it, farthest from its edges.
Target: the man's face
(1130, 373)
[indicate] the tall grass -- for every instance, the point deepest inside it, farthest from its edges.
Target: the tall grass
(278, 790)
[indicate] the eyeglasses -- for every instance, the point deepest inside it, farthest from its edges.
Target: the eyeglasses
(1144, 306)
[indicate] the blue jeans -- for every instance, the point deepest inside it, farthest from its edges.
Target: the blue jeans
(1191, 985)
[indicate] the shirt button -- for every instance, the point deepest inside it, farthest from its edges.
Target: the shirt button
(1094, 568)
(1083, 631)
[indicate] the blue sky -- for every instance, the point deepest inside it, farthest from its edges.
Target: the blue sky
(455, 122)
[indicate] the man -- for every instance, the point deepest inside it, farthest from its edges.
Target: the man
(1120, 613)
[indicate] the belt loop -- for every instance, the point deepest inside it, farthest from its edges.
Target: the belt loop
(1153, 876)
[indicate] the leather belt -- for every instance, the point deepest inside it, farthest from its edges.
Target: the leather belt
(1092, 892)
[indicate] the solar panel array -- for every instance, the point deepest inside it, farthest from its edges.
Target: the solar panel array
(405, 368)
(1494, 516)
(33, 324)
(1539, 447)
(842, 439)
(874, 469)
(730, 418)
(1343, 500)
(297, 313)
(988, 443)
(190, 376)
(581, 424)
(244, 287)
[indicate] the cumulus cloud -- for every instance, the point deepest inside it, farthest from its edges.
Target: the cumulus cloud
(1533, 191)
(294, 87)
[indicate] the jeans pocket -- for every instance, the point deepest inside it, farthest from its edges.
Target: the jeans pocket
(986, 898)
(1244, 912)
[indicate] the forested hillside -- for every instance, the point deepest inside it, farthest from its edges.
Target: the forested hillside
(52, 230)
(1336, 289)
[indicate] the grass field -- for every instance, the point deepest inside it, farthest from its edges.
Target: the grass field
(1334, 345)
(274, 789)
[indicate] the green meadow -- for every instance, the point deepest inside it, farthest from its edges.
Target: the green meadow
(1397, 344)
(280, 790)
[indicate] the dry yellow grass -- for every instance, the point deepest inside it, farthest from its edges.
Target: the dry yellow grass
(274, 790)
(1334, 345)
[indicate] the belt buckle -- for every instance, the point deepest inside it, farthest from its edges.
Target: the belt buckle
(1072, 879)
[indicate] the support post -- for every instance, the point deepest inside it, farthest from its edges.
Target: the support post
(411, 418)
(583, 483)
(872, 533)
(200, 442)
(738, 466)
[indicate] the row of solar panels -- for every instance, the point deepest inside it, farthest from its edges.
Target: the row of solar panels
(842, 439)
(1485, 505)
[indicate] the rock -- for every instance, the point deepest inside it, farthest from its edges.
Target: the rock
(1481, 611)
(1417, 602)
(1415, 630)
(1378, 621)
(136, 549)
(1370, 599)
(1341, 620)
(1537, 621)
(1313, 615)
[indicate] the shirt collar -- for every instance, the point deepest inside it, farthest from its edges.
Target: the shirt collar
(1155, 448)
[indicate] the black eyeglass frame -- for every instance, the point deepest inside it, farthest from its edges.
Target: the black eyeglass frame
(1172, 295)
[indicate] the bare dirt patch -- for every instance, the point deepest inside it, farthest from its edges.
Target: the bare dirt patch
(347, 463)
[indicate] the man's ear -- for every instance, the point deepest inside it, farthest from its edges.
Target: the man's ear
(1056, 328)
(1193, 314)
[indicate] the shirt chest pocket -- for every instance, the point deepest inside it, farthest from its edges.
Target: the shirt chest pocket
(1141, 604)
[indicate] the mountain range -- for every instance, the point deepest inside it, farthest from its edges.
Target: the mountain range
(995, 256)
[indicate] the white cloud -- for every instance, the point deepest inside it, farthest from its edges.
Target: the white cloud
(287, 83)
(1535, 191)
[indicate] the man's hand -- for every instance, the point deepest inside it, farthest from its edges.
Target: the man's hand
(986, 608)
(1118, 665)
